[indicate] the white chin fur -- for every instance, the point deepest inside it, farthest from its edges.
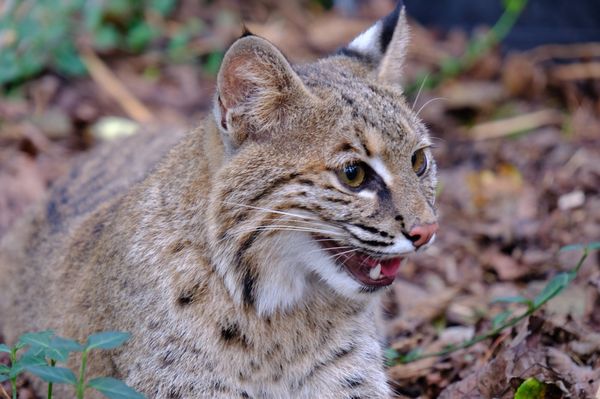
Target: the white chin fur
(293, 258)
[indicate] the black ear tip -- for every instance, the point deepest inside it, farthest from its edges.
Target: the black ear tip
(389, 25)
(246, 31)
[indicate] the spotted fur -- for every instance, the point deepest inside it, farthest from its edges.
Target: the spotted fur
(205, 246)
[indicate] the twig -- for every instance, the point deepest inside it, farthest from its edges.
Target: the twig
(564, 51)
(4, 393)
(520, 123)
(532, 308)
(579, 71)
(109, 82)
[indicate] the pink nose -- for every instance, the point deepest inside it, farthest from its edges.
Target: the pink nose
(421, 235)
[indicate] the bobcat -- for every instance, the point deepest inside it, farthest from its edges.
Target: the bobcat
(245, 257)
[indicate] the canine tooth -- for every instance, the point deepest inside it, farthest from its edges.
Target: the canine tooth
(375, 272)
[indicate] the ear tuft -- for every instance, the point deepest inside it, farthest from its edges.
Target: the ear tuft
(392, 63)
(389, 24)
(383, 46)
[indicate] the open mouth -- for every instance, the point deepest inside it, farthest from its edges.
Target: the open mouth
(368, 270)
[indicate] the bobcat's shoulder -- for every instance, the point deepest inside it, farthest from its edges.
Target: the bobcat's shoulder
(246, 257)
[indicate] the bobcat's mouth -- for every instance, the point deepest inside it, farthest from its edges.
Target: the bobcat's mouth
(368, 270)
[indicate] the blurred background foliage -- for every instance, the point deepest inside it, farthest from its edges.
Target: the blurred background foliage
(38, 35)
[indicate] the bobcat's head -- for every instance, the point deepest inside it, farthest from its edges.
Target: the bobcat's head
(328, 180)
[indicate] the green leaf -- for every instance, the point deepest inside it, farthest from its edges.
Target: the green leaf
(391, 356)
(33, 358)
(553, 288)
(19, 346)
(37, 339)
(4, 348)
(163, 7)
(411, 356)
(213, 62)
(500, 318)
(70, 345)
(16, 369)
(57, 375)
(576, 247)
(571, 247)
(114, 389)
(106, 37)
(42, 344)
(66, 60)
(531, 389)
(139, 36)
(4, 369)
(4, 378)
(106, 340)
(512, 299)
(592, 246)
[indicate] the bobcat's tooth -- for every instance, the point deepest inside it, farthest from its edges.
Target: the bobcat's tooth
(375, 272)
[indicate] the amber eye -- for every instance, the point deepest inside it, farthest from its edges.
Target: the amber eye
(419, 162)
(352, 175)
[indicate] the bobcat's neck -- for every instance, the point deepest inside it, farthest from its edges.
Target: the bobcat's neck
(179, 208)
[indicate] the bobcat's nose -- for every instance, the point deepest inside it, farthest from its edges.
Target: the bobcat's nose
(422, 234)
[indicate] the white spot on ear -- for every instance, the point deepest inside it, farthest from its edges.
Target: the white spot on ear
(379, 167)
(367, 42)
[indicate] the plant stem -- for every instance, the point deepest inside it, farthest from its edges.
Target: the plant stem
(452, 66)
(13, 380)
(52, 364)
(81, 381)
(507, 324)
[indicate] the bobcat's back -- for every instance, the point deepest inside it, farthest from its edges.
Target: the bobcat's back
(97, 180)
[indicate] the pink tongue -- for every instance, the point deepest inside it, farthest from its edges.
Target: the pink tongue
(390, 267)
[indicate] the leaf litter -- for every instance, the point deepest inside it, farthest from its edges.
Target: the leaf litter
(517, 141)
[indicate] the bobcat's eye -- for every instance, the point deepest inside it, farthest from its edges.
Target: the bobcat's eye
(419, 162)
(352, 175)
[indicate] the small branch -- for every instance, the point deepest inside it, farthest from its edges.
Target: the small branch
(3, 393)
(520, 123)
(507, 324)
(110, 83)
(564, 51)
(578, 71)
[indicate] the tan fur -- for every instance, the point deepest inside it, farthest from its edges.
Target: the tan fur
(201, 245)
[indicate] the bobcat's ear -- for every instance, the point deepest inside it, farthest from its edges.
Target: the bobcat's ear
(384, 46)
(257, 91)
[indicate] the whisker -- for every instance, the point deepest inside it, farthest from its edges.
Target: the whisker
(419, 92)
(300, 216)
(285, 227)
(240, 232)
(325, 249)
(429, 102)
(306, 222)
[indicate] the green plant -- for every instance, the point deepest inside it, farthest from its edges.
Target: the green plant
(506, 319)
(41, 34)
(477, 48)
(45, 350)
